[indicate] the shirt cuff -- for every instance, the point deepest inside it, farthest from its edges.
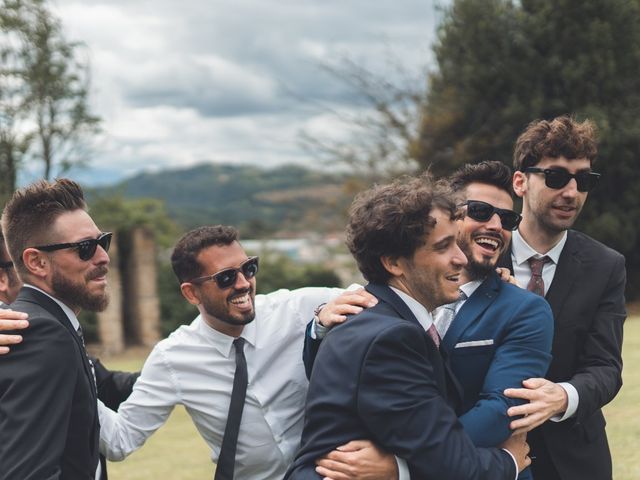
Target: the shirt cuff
(572, 402)
(403, 469)
(514, 462)
(318, 331)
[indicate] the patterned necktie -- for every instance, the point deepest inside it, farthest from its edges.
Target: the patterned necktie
(227, 457)
(444, 315)
(536, 284)
(93, 370)
(433, 333)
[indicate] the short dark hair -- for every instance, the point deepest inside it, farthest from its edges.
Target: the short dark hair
(184, 257)
(392, 220)
(561, 137)
(488, 172)
(31, 212)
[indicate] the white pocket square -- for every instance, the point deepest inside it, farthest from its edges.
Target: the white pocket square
(474, 343)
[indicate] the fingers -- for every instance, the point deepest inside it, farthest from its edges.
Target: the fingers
(355, 445)
(328, 474)
(533, 383)
(522, 393)
(360, 298)
(14, 316)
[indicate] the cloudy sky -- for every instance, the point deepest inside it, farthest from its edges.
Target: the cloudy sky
(183, 82)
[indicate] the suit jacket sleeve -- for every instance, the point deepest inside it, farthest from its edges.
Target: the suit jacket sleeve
(113, 387)
(402, 407)
(36, 394)
(524, 352)
(598, 376)
(311, 346)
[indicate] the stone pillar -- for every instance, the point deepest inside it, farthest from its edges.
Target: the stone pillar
(142, 303)
(110, 328)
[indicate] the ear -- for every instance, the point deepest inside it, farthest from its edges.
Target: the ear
(392, 265)
(37, 262)
(519, 183)
(190, 293)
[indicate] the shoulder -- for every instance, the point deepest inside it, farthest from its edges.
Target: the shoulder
(586, 244)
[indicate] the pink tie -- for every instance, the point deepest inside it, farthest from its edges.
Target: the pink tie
(433, 333)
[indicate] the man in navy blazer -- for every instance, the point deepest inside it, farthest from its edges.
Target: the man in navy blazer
(381, 375)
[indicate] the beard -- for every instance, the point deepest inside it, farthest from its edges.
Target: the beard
(76, 294)
(221, 312)
(477, 269)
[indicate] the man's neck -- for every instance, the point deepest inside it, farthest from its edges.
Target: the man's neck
(538, 238)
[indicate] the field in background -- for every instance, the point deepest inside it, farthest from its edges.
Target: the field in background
(176, 451)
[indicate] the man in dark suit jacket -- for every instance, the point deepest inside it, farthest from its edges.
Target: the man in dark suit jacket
(380, 375)
(584, 283)
(48, 412)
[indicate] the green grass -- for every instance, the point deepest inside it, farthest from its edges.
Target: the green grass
(176, 451)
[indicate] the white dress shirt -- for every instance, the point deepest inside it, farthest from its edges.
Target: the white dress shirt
(76, 326)
(195, 366)
(521, 251)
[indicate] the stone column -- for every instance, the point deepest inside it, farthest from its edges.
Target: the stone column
(143, 304)
(110, 328)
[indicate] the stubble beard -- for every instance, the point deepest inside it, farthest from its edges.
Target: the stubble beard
(77, 295)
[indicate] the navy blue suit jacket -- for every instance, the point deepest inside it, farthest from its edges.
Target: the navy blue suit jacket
(501, 336)
(379, 376)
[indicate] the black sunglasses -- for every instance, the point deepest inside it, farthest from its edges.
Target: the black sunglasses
(483, 211)
(558, 178)
(86, 248)
(6, 264)
(227, 278)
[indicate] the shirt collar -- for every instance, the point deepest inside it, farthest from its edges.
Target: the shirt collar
(470, 287)
(222, 342)
(522, 251)
(421, 313)
(68, 312)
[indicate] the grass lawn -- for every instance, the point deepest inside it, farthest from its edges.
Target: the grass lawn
(176, 451)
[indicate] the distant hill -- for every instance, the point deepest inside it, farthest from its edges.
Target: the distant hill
(258, 201)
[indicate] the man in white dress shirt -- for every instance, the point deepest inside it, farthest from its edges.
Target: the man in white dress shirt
(195, 365)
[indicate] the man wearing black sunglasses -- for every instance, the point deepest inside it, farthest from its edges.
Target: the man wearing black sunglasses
(49, 415)
(584, 283)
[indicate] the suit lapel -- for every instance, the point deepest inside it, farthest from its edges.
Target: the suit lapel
(383, 292)
(34, 296)
(475, 306)
(568, 269)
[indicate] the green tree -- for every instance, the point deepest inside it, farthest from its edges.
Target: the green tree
(44, 112)
(502, 64)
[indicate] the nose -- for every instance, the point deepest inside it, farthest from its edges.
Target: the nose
(242, 283)
(459, 259)
(494, 223)
(570, 190)
(101, 257)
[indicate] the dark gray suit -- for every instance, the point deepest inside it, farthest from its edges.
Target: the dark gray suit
(48, 412)
(587, 300)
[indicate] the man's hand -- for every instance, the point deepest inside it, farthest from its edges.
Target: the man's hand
(546, 399)
(10, 320)
(519, 448)
(505, 276)
(357, 460)
(349, 303)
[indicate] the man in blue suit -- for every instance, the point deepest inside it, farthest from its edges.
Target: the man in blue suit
(501, 333)
(380, 375)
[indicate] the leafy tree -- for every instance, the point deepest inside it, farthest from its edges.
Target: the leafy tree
(44, 113)
(502, 64)
(278, 271)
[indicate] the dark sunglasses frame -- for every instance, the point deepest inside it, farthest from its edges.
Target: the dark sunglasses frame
(227, 278)
(5, 265)
(558, 178)
(86, 248)
(508, 218)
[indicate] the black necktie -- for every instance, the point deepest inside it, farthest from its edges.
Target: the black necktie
(227, 458)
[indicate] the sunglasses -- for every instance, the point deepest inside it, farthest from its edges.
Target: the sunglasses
(5, 265)
(227, 278)
(86, 248)
(483, 211)
(558, 178)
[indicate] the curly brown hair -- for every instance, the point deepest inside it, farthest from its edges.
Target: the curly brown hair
(393, 220)
(30, 213)
(561, 137)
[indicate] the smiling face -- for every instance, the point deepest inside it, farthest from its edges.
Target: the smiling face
(546, 209)
(432, 274)
(226, 310)
(484, 242)
(79, 284)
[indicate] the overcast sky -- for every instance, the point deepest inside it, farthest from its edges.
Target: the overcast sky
(183, 82)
